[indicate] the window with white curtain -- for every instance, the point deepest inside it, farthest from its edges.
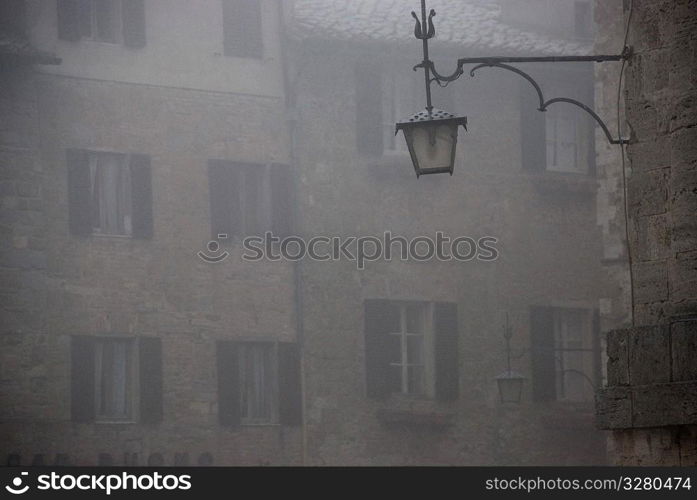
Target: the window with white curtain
(110, 191)
(115, 379)
(257, 363)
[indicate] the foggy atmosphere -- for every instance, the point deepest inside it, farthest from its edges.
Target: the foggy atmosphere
(216, 251)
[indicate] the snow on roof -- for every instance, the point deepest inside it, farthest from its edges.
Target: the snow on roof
(459, 23)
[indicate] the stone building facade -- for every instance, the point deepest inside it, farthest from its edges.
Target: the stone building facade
(650, 402)
(167, 126)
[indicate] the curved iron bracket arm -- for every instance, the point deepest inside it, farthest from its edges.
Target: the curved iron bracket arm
(425, 30)
(544, 104)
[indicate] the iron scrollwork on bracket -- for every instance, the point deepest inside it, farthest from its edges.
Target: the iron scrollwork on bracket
(425, 30)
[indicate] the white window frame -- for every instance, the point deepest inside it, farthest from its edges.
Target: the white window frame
(127, 184)
(427, 356)
(273, 417)
(573, 355)
(117, 12)
(132, 386)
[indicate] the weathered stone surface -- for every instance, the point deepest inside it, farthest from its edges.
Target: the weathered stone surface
(617, 358)
(660, 405)
(683, 344)
(613, 408)
(649, 355)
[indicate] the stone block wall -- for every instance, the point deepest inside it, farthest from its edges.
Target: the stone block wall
(651, 398)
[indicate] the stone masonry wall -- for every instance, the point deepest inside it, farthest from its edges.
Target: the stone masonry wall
(651, 399)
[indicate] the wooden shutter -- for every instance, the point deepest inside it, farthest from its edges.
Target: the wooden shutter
(79, 203)
(228, 383)
(597, 349)
(224, 192)
(150, 363)
(281, 200)
(82, 389)
(141, 196)
(68, 12)
(369, 117)
(446, 351)
(289, 384)
(544, 384)
(533, 131)
(381, 318)
(242, 28)
(133, 15)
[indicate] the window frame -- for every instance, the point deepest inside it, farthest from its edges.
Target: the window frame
(127, 183)
(273, 396)
(132, 384)
(117, 23)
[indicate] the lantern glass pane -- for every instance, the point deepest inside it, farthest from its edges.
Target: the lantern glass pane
(433, 145)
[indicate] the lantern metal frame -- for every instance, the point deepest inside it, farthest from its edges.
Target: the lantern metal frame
(424, 30)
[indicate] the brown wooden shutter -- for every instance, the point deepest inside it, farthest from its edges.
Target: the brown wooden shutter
(289, 384)
(533, 131)
(224, 192)
(446, 351)
(68, 12)
(79, 202)
(228, 383)
(133, 15)
(381, 318)
(242, 28)
(141, 196)
(150, 380)
(82, 379)
(544, 383)
(369, 117)
(281, 200)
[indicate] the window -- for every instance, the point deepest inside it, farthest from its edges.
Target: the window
(561, 138)
(111, 21)
(109, 194)
(565, 354)
(249, 199)
(242, 28)
(116, 379)
(411, 348)
(258, 383)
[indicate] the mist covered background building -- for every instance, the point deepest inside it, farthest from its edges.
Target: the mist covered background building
(136, 132)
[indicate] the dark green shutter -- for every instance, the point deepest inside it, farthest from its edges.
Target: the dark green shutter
(79, 202)
(228, 383)
(68, 12)
(141, 196)
(446, 351)
(242, 28)
(381, 318)
(289, 384)
(544, 383)
(281, 200)
(533, 131)
(369, 117)
(133, 14)
(150, 362)
(224, 188)
(82, 379)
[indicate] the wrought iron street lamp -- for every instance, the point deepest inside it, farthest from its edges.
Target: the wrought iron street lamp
(431, 134)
